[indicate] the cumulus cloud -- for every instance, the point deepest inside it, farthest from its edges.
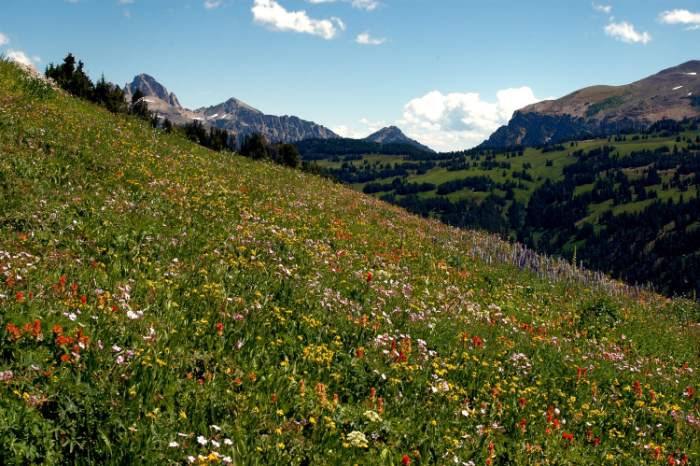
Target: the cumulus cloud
(19, 57)
(366, 39)
(368, 5)
(212, 4)
(3, 39)
(607, 9)
(458, 121)
(625, 32)
(688, 18)
(363, 128)
(276, 17)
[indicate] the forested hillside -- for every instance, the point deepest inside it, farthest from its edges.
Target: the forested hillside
(626, 204)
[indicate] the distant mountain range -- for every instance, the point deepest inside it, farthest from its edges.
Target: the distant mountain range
(242, 119)
(673, 94)
(233, 115)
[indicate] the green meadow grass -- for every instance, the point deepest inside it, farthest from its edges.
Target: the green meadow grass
(164, 304)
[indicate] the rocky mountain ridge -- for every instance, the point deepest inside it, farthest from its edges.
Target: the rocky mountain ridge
(233, 115)
(673, 93)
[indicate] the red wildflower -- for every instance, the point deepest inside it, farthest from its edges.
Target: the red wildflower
(14, 331)
(19, 296)
(57, 329)
(360, 353)
(372, 393)
(567, 436)
(36, 331)
(689, 392)
(63, 340)
(521, 402)
(83, 300)
(581, 373)
(369, 277)
(380, 405)
(219, 328)
(406, 460)
(65, 358)
(477, 341)
(671, 460)
(638, 388)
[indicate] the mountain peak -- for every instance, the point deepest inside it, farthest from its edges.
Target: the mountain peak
(604, 110)
(150, 87)
(394, 135)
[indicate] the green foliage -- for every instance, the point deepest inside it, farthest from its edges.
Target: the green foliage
(287, 155)
(598, 315)
(109, 96)
(254, 146)
(72, 78)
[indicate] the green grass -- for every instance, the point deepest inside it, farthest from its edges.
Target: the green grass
(161, 302)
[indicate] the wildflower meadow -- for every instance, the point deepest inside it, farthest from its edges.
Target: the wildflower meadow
(161, 303)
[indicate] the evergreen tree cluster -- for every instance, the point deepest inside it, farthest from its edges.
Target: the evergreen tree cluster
(256, 146)
(71, 76)
(214, 138)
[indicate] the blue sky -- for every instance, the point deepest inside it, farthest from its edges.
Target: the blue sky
(446, 71)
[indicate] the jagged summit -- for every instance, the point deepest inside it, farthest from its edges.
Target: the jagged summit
(149, 87)
(233, 115)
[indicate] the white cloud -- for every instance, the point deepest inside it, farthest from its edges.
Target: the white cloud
(212, 4)
(3, 39)
(626, 32)
(458, 121)
(366, 39)
(275, 16)
(19, 57)
(368, 5)
(689, 18)
(125, 2)
(607, 9)
(363, 128)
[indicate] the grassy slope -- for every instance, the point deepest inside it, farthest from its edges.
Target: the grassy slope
(210, 298)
